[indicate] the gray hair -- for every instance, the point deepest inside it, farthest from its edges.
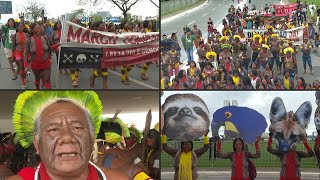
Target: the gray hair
(37, 123)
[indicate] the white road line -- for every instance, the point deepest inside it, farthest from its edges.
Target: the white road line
(134, 80)
(213, 9)
(183, 13)
(204, 14)
(191, 22)
(220, 5)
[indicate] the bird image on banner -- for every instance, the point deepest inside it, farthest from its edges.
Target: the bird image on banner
(240, 122)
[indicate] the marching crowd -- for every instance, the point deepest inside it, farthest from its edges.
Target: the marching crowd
(230, 60)
(29, 48)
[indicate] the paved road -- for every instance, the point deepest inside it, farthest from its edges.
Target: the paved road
(217, 10)
(202, 176)
(114, 78)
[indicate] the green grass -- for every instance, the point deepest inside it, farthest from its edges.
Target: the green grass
(316, 2)
(266, 160)
(180, 9)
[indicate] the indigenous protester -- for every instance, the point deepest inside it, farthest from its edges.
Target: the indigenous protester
(18, 41)
(240, 163)
(290, 161)
(185, 159)
(38, 46)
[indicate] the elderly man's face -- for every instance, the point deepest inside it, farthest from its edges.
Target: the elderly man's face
(65, 143)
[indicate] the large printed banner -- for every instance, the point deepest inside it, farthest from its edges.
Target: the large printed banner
(295, 34)
(84, 48)
(285, 9)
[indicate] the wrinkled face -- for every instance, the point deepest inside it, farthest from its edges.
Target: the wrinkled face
(288, 127)
(186, 117)
(65, 142)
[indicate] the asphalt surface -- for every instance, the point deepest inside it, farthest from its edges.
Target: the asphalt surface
(224, 176)
(64, 81)
(217, 10)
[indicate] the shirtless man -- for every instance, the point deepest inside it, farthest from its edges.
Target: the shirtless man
(274, 44)
(173, 60)
(264, 56)
(256, 46)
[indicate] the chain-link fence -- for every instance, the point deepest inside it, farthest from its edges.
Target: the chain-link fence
(266, 160)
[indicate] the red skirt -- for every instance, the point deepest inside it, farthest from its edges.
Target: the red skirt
(36, 64)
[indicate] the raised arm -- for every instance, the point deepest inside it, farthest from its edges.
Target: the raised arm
(257, 154)
(26, 49)
(308, 154)
(317, 149)
(270, 150)
(201, 151)
(171, 151)
(220, 154)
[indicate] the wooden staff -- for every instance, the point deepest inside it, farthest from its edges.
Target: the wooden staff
(145, 135)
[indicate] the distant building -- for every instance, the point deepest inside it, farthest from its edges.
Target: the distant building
(137, 18)
(151, 17)
(105, 15)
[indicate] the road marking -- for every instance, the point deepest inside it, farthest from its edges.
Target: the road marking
(213, 9)
(134, 80)
(191, 22)
(219, 5)
(204, 14)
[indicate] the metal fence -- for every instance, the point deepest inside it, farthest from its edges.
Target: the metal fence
(266, 160)
(174, 5)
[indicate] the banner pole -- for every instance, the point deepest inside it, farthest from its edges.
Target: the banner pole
(58, 74)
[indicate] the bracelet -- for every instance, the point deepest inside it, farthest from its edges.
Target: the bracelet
(206, 140)
(164, 139)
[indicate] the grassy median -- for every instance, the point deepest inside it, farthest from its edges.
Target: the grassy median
(266, 160)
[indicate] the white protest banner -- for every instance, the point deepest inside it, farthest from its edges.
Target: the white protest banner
(295, 34)
(84, 48)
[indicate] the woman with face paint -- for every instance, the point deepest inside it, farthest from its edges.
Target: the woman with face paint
(17, 52)
(290, 161)
(239, 158)
(38, 46)
(185, 159)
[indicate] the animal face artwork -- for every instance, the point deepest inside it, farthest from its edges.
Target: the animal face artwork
(186, 117)
(288, 127)
(317, 113)
(240, 122)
